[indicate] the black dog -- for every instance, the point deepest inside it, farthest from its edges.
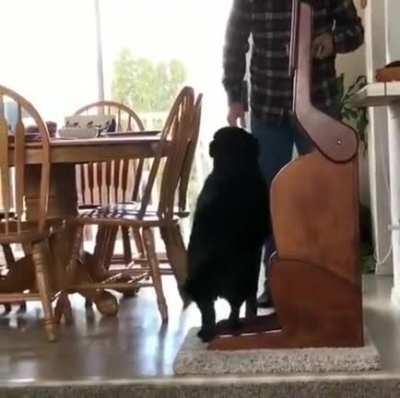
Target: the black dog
(231, 223)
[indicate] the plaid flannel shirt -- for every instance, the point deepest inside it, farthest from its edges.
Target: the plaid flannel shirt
(269, 22)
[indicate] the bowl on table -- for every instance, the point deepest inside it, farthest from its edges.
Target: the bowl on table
(78, 132)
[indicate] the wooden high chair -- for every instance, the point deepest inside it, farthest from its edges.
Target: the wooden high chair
(315, 274)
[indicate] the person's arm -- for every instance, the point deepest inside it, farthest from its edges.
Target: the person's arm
(235, 49)
(348, 32)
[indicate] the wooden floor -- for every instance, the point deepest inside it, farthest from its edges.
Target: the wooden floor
(134, 345)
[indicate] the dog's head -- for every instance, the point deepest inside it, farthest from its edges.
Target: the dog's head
(234, 149)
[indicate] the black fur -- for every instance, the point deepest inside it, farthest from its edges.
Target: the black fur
(231, 222)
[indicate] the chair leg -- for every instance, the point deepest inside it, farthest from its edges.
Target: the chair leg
(79, 237)
(126, 245)
(104, 247)
(176, 253)
(8, 254)
(109, 246)
(43, 285)
(63, 306)
(148, 240)
(138, 242)
(27, 249)
(63, 309)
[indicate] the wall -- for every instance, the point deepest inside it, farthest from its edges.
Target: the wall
(375, 23)
(392, 12)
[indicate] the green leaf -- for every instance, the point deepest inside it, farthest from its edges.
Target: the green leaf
(356, 117)
(145, 85)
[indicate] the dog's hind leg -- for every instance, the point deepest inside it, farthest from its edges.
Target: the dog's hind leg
(207, 331)
(251, 307)
(233, 321)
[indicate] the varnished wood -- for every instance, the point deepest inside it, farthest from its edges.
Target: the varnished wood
(8, 254)
(341, 144)
(190, 154)
(109, 172)
(315, 275)
(95, 149)
(148, 240)
(4, 168)
(175, 248)
(19, 156)
(63, 202)
(112, 176)
(329, 222)
(126, 245)
(25, 276)
(176, 255)
(43, 284)
(176, 134)
(126, 118)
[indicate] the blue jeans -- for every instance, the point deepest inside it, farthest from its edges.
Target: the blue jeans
(276, 142)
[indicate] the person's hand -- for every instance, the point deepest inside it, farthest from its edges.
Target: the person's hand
(236, 112)
(323, 46)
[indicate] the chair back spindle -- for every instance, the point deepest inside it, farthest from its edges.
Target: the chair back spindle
(189, 155)
(12, 170)
(109, 182)
(173, 140)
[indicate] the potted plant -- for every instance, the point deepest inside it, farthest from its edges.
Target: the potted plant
(358, 119)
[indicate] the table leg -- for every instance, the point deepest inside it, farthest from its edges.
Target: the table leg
(63, 205)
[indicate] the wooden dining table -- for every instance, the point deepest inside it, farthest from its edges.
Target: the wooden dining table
(63, 198)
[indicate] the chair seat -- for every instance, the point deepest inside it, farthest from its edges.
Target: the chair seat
(134, 207)
(125, 215)
(28, 231)
(88, 207)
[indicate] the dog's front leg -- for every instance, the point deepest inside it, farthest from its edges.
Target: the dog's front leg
(207, 331)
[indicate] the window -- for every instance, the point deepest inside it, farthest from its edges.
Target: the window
(49, 54)
(150, 49)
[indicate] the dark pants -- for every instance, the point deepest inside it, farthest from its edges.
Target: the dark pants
(276, 142)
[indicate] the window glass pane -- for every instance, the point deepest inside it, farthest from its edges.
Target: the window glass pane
(49, 53)
(153, 47)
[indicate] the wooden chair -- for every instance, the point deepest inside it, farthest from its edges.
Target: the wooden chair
(111, 182)
(171, 237)
(126, 119)
(14, 226)
(175, 137)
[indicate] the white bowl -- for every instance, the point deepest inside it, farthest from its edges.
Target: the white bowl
(88, 121)
(78, 132)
